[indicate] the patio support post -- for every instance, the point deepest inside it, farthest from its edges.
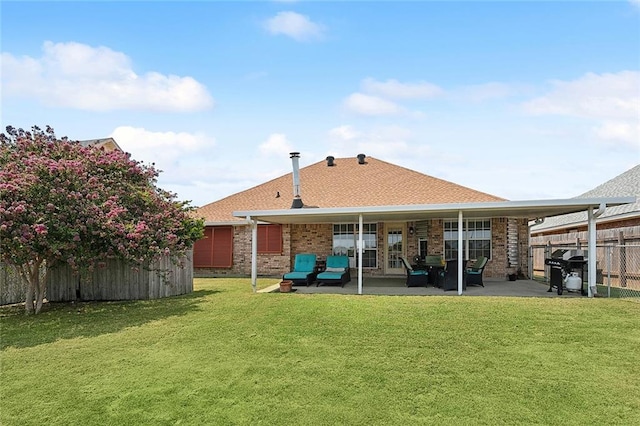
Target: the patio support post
(460, 253)
(254, 253)
(360, 250)
(591, 261)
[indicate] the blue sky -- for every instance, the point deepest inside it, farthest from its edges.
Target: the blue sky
(524, 100)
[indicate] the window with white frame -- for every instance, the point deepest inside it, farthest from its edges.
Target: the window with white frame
(345, 241)
(476, 238)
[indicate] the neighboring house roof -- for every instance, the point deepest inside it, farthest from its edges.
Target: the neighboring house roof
(625, 185)
(109, 144)
(346, 184)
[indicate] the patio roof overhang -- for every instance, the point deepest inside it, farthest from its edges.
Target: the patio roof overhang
(530, 209)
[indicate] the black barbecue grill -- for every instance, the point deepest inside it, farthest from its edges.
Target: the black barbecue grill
(563, 262)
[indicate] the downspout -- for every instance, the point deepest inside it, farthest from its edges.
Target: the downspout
(537, 221)
(591, 261)
(460, 254)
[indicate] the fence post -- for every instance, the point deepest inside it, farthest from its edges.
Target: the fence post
(623, 260)
(547, 254)
(609, 254)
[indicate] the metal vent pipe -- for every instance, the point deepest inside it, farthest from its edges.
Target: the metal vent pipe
(297, 200)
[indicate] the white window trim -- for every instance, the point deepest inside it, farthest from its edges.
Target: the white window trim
(466, 235)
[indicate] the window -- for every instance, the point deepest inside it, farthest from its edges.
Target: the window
(270, 239)
(345, 240)
(476, 238)
(215, 249)
(422, 248)
(370, 241)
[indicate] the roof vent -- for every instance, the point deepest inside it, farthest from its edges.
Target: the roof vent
(330, 162)
(297, 200)
(361, 158)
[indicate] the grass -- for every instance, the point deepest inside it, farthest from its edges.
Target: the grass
(224, 355)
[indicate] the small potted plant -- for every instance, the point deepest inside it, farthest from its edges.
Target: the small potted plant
(285, 286)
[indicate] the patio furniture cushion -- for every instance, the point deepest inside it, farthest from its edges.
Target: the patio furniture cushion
(304, 269)
(415, 278)
(474, 273)
(336, 272)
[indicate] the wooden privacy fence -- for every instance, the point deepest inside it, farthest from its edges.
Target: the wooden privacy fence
(11, 287)
(120, 281)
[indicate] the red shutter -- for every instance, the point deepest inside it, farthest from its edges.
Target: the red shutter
(202, 249)
(222, 247)
(215, 249)
(270, 239)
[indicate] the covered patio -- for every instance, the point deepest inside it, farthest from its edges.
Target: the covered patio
(532, 209)
(395, 286)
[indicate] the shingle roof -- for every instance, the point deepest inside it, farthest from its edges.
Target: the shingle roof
(346, 184)
(625, 185)
(108, 143)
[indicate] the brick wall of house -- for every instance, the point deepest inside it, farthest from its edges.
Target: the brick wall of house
(498, 266)
(268, 264)
(311, 238)
(435, 237)
(318, 239)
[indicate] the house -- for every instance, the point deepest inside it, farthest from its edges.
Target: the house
(372, 211)
(616, 239)
(617, 223)
(108, 144)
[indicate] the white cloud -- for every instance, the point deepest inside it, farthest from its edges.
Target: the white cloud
(344, 132)
(396, 90)
(178, 155)
(488, 91)
(611, 100)
(619, 131)
(371, 105)
(76, 75)
(635, 3)
(593, 96)
(294, 25)
(276, 145)
(386, 142)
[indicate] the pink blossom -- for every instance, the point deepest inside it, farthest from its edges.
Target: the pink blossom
(52, 191)
(40, 228)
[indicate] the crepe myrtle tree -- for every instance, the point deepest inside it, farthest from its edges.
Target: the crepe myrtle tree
(62, 202)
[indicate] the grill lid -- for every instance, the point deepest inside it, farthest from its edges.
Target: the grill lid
(569, 254)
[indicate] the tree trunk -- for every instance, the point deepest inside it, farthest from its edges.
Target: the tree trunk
(34, 296)
(42, 286)
(29, 294)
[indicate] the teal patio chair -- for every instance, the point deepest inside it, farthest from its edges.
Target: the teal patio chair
(304, 270)
(336, 272)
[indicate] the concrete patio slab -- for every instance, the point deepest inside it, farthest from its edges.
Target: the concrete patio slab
(396, 287)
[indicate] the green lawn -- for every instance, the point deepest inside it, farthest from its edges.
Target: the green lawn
(224, 355)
